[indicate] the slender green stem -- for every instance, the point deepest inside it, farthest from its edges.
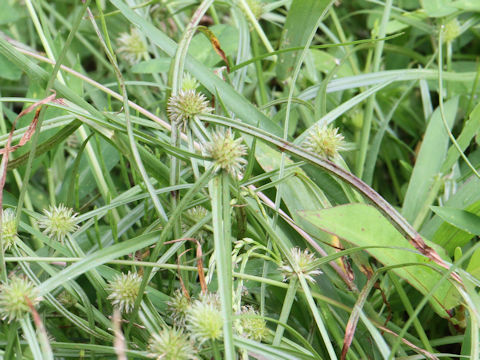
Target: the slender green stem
(409, 308)
(220, 194)
(430, 293)
(257, 27)
(29, 334)
(262, 88)
(442, 109)
(131, 139)
(53, 75)
(317, 317)
(216, 350)
(367, 121)
(286, 308)
(166, 232)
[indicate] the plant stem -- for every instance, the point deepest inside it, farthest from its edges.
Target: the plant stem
(367, 122)
(220, 194)
(286, 308)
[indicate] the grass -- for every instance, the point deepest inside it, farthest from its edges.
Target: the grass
(239, 179)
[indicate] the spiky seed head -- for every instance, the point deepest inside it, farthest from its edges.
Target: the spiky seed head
(250, 325)
(15, 296)
(124, 291)
(325, 141)
(9, 230)
(67, 299)
(132, 46)
(256, 7)
(204, 320)
(178, 306)
(211, 298)
(227, 153)
(189, 82)
(181, 108)
(451, 30)
(197, 213)
(171, 344)
(58, 222)
(301, 263)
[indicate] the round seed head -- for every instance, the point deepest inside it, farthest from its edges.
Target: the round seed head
(15, 296)
(250, 325)
(185, 105)
(189, 82)
(171, 344)
(132, 46)
(58, 222)
(256, 7)
(301, 263)
(178, 305)
(204, 320)
(325, 141)
(9, 230)
(451, 30)
(227, 153)
(124, 291)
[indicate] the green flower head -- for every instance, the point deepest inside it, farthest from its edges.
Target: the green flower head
(124, 290)
(16, 297)
(58, 222)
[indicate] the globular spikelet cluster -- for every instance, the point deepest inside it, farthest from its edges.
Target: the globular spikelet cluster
(181, 108)
(16, 297)
(204, 319)
(250, 325)
(124, 290)
(325, 141)
(178, 306)
(171, 344)
(301, 263)
(132, 46)
(189, 82)
(198, 322)
(451, 30)
(256, 7)
(227, 152)
(58, 222)
(9, 229)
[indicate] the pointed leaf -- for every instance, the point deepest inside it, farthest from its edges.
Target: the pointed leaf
(306, 13)
(363, 225)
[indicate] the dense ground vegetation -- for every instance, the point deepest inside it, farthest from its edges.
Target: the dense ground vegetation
(239, 179)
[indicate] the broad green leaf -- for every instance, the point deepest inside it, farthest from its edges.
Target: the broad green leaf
(153, 66)
(269, 352)
(471, 128)
(401, 22)
(202, 49)
(9, 70)
(429, 161)
(438, 8)
(9, 13)
(296, 195)
(363, 225)
(474, 264)
(459, 218)
(471, 5)
(454, 231)
(306, 13)
(352, 82)
(325, 62)
(394, 26)
(466, 195)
